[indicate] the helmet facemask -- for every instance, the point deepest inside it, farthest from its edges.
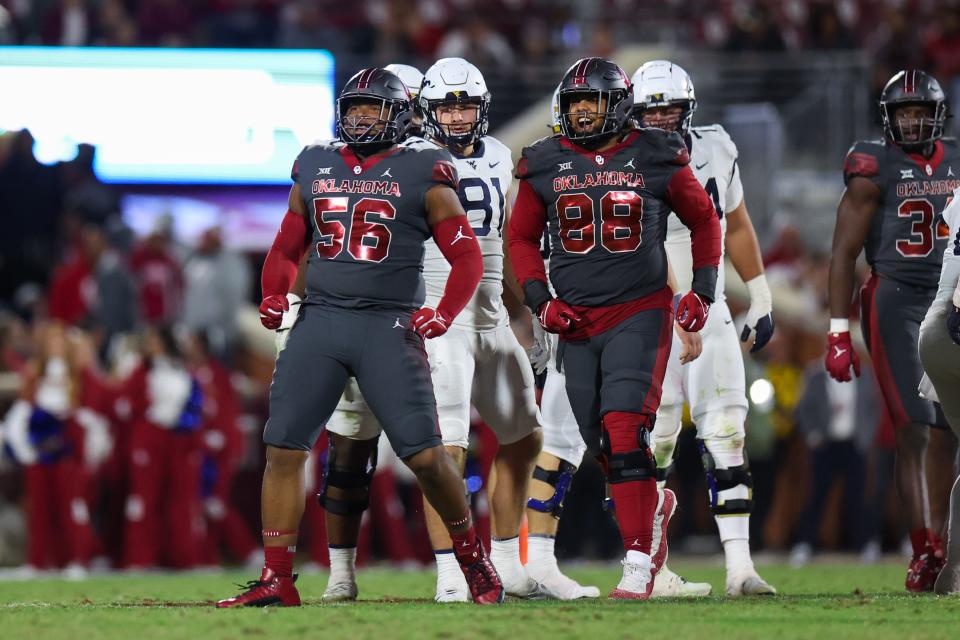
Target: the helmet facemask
(458, 133)
(370, 123)
(914, 133)
(679, 123)
(593, 128)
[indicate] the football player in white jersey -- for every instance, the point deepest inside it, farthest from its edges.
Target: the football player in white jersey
(713, 385)
(478, 360)
(939, 337)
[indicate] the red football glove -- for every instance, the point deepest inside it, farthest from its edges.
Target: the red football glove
(840, 355)
(692, 312)
(429, 323)
(271, 310)
(556, 316)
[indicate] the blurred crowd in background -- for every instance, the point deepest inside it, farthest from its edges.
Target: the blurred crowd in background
(134, 374)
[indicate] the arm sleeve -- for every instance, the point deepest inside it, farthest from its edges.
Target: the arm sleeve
(459, 246)
(525, 231)
(280, 266)
(694, 208)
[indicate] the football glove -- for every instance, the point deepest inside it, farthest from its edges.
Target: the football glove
(539, 353)
(429, 323)
(692, 312)
(841, 356)
(271, 310)
(287, 322)
(556, 316)
(759, 321)
(953, 324)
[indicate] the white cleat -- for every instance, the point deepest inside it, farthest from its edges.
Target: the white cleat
(559, 587)
(668, 584)
(340, 591)
(451, 594)
(521, 585)
(748, 583)
(948, 582)
(636, 583)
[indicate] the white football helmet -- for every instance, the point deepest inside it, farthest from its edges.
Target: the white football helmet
(555, 111)
(452, 81)
(661, 83)
(409, 76)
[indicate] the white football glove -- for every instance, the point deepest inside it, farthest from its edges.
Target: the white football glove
(539, 353)
(286, 323)
(759, 323)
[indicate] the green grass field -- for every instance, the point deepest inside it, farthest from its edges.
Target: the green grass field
(821, 601)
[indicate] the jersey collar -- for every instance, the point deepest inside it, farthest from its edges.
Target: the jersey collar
(477, 151)
(602, 155)
(357, 165)
(932, 162)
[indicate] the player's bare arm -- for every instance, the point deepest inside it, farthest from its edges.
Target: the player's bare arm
(854, 214)
(509, 278)
(858, 205)
(744, 251)
(458, 244)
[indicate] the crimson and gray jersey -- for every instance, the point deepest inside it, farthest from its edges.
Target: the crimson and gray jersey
(606, 213)
(369, 221)
(907, 237)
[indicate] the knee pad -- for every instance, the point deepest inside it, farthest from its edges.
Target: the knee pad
(665, 434)
(347, 479)
(560, 481)
(730, 488)
(723, 433)
(633, 464)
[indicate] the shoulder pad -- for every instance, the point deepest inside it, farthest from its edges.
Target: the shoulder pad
(864, 159)
(496, 147)
(445, 169)
(718, 136)
(535, 158)
(419, 144)
(665, 147)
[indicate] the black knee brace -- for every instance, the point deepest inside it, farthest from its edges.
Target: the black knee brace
(638, 464)
(346, 479)
(723, 479)
(560, 481)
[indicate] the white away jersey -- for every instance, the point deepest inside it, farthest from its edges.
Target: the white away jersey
(485, 178)
(950, 272)
(713, 159)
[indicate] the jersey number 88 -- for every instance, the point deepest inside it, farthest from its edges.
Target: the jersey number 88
(621, 222)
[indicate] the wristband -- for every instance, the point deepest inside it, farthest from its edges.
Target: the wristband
(759, 290)
(839, 325)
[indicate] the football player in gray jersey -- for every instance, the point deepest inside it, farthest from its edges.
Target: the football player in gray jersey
(364, 206)
(896, 189)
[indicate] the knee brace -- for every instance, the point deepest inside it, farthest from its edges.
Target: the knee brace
(347, 479)
(731, 489)
(560, 481)
(634, 464)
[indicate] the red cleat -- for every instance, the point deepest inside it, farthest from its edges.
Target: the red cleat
(661, 520)
(270, 590)
(482, 579)
(923, 571)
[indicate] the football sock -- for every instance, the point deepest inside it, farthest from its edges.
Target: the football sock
(636, 500)
(448, 569)
(279, 559)
(505, 554)
(737, 553)
(540, 552)
(343, 564)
